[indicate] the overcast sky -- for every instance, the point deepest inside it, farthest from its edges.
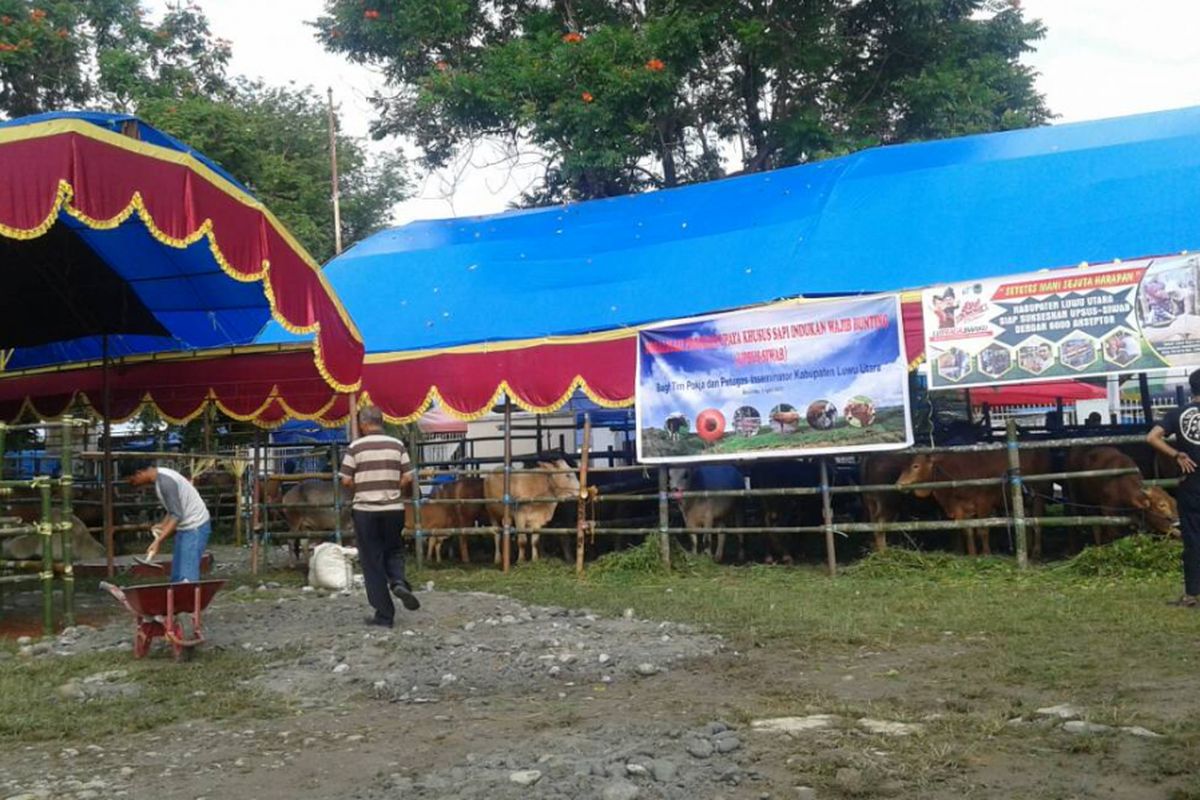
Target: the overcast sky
(1100, 58)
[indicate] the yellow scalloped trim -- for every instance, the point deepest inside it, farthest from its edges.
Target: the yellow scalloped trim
(65, 194)
(148, 401)
(434, 394)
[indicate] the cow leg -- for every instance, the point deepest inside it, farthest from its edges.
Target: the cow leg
(985, 536)
(534, 554)
(741, 538)
(719, 555)
(695, 544)
(969, 537)
(464, 550)
(496, 539)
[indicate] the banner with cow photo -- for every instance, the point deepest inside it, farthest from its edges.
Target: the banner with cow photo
(1131, 316)
(794, 379)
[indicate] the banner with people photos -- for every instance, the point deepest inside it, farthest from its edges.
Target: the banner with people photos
(1130, 316)
(793, 379)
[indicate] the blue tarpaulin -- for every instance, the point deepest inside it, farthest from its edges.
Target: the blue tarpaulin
(882, 219)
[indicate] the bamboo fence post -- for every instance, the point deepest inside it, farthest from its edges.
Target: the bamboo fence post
(1018, 497)
(506, 544)
(664, 518)
(581, 515)
(46, 530)
(66, 524)
(827, 517)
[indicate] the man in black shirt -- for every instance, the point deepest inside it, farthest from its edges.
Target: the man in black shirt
(1184, 424)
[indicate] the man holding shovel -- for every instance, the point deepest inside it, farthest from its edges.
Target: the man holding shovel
(186, 519)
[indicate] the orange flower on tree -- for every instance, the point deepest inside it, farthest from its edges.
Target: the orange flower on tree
(62, 33)
(655, 65)
(371, 13)
(6, 20)
(38, 14)
(442, 66)
(572, 37)
(587, 97)
(5, 47)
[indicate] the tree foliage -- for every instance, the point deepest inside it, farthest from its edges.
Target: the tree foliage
(108, 54)
(622, 95)
(276, 141)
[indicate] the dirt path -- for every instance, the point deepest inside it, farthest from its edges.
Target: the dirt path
(479, 697)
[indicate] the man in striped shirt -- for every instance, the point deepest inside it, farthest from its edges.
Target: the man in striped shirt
(379, 471)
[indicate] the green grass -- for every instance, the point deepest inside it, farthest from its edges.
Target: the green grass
(1068, 627)
(214, 686)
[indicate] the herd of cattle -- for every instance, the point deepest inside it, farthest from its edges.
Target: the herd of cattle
(548, 497)
(481, 501)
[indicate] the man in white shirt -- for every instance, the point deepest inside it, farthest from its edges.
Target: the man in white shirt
(186, 519)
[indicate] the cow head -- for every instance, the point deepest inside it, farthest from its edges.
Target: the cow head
(1159, 511)
(678, 479)
(563, 485)
(919, 470)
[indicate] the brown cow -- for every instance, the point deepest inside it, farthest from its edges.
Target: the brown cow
(84, 546)
(975, 502)
(785, 418)
(308, 507)
(706, 512)
(879, 469)
(1118, 495)
(87, 504)
(529, 517)
(461, 515)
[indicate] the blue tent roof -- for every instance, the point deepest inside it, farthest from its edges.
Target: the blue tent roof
(881, 219)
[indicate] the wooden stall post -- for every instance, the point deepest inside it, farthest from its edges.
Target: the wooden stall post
(1144, 391)
(414, 446)
(1018, 496)
(66, 526)
(827, 516)
(581, 516)
(257, 518)
(335, 474)
(506, 536)
(664, 518)
(239, 498)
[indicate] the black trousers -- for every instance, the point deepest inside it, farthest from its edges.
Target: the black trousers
(1189, 523)
(381, 554)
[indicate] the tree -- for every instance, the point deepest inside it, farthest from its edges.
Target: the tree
(57, 54)
(622, 95)
(276, 141)
(61, 54)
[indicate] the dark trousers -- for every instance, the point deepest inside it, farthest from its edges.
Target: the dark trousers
(1189, 523)
(381, 554)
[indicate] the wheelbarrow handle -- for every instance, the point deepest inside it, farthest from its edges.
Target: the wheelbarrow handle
(116, 592)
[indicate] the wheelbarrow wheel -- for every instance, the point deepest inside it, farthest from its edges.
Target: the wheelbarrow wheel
(182, 652)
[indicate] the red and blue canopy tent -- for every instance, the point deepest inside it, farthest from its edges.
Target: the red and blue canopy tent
(540, 304)
(136, 271)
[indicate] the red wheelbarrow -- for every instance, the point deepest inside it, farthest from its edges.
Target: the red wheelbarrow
(157, 607)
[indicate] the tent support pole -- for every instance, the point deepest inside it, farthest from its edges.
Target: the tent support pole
(107, 464)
